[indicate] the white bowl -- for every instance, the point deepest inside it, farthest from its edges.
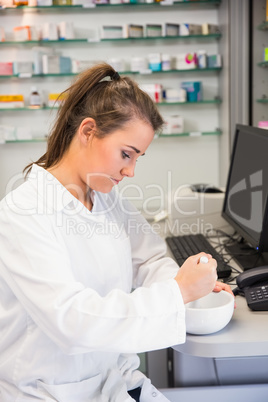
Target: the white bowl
(210, 313)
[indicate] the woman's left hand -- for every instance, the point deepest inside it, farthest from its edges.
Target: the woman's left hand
(222, 286)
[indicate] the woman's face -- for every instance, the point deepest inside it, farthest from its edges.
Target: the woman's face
(110, 159)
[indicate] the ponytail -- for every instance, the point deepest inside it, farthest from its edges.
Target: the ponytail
(99, 93)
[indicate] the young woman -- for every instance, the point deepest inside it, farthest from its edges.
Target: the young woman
(72, 251)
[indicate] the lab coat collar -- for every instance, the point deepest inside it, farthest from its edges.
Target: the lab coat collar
(50, 190)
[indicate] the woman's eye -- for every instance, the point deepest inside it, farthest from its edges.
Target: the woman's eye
(125, 155)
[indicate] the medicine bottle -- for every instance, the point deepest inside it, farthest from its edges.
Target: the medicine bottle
(35, 98)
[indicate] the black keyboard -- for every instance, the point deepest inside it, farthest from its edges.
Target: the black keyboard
(183, 247)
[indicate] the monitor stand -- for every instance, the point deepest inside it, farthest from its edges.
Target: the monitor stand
(246, 256)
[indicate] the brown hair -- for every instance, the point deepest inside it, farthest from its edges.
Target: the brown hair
(111, 103)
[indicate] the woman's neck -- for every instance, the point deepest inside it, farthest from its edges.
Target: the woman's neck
(69, 178)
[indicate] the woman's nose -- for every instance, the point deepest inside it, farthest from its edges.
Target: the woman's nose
(128, 171)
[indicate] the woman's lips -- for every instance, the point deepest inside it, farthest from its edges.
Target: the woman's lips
(115, 181)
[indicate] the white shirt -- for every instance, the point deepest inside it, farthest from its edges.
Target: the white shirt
(70, 323)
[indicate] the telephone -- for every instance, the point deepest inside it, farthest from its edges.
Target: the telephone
(253, 284)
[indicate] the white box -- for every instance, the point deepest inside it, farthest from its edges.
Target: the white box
(66, 30)
(154, 91)
(186, 61)
(173, 125)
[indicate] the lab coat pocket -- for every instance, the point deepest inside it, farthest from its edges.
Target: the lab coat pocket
(81, 391)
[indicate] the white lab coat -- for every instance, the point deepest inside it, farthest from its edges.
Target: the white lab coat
(70, 323)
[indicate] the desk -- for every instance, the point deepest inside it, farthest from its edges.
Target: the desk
(238, 354)
(245, 335)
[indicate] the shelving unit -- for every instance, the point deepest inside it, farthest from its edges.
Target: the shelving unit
(90, 7)
(202, 126)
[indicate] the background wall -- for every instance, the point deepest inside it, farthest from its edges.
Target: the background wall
(169, 161)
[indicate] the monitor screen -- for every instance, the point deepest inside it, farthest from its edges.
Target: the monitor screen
(245, 204)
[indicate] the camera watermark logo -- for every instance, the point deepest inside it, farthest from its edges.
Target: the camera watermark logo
(255, 192)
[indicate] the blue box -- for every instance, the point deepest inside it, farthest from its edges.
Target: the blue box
(193, 90)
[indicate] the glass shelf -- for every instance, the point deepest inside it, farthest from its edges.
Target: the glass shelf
(203, 102)
(210, 36)
(41, 139)
(188, 134)
(264, 100)
(28, 108)
(263, 64)
(191, 134)
(42, 42)
(198, 70)
(91, 7)
(94, 41)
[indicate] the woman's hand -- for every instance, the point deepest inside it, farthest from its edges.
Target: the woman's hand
(223, 286)
(196, 279)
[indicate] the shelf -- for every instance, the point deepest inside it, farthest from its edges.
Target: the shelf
(43, 42)
(264, 100)
(111, 7)
(27, 108)
(210, 36)
(191, 134)
(23, 141)
(94, 41)
(263, 64)
(204, 102)
(147, 72)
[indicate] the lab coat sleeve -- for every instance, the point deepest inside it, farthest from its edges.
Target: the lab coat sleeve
(39, 273)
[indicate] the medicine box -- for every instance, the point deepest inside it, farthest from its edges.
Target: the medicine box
(22, 67)
(193, 90)
(154, 91)
(172, 29)
(6, 68)
(138, 64)
(55, 99)
(175, 95)
(135, 31)
(173, 125)
(214, 61)
(22, 33)
(153, 31)
(210, 29)
(11, 101)
(66, 30)
(112, 32)
(190, 29)
(185, 61)
(155, 61)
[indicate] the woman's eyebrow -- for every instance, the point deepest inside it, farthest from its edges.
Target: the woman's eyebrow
(135, 149)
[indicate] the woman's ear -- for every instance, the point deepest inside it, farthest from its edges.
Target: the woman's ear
(86, 130)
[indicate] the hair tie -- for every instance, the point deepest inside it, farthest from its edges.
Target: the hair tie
(115, 76)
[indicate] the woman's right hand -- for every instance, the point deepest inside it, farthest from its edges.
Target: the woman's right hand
(197, 279)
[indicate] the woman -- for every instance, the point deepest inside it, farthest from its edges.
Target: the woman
(73, 250)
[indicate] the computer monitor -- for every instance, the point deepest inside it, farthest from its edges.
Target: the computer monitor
(245, 205)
